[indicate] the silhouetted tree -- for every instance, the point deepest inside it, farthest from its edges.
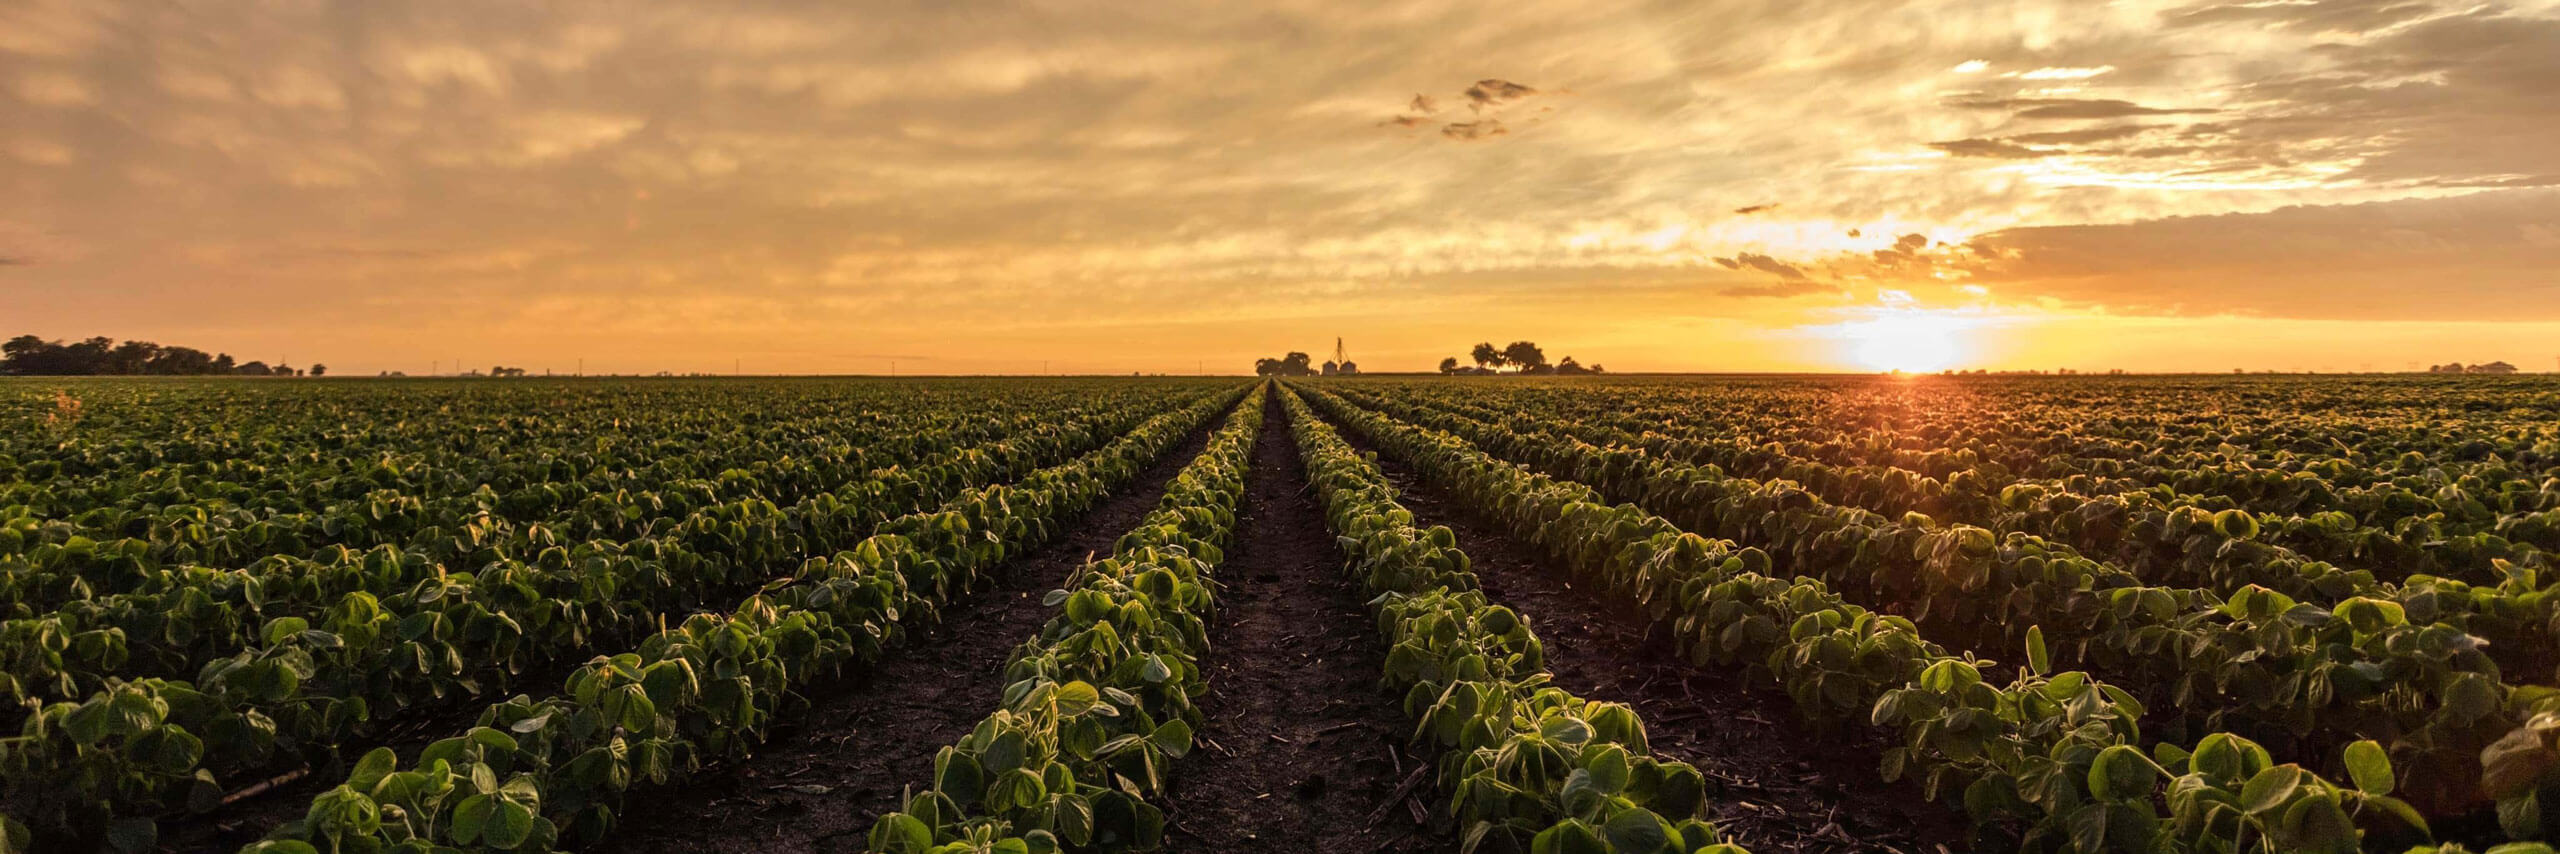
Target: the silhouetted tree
(1449, 365)
(319, 370)
(131, 357)
(253, 368)
(1569, 366)
(1526, 357)
(1486, 357)
(28, 354)
(175, 361)
(90, 357)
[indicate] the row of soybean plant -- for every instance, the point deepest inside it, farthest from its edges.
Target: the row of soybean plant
(2055, 760)
(1527, 767)
(546, 774)
(80, 611)
(308, 687)
(1100, 701)
(2306, 680)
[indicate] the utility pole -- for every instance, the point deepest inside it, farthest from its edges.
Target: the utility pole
(582, 366)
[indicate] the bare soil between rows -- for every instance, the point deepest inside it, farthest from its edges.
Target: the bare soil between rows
(1774, 784)
(1304, 750)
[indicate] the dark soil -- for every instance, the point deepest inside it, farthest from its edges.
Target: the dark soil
(824, 776)
(1303, 750)
(1774, 784)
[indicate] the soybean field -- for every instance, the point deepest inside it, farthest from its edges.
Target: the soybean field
(1616, 615)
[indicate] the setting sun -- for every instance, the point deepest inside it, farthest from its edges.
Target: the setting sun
(1905, 341)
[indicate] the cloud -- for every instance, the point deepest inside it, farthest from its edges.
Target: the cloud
(1492, 92)
(1792, 280)
(2078, 137)
(2071, 108)
(2487, 255)
(1905, 251)
(1774, 290)
(2050, 73)
(1487, 95)
(2349, 17)
(1996, 148)
(1747, 210)
(2378, 95)
(52, 89)
(1765, 264)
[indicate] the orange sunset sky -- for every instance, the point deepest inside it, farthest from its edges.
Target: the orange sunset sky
(964, 187)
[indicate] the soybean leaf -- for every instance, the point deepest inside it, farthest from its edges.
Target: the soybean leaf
(2371, 768)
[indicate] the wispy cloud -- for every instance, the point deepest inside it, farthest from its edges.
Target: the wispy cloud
(2072, 108)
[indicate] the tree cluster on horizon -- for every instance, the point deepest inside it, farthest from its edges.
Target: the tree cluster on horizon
(2460, 368)
(1293, 365)
(1521, 357)
(29, 355)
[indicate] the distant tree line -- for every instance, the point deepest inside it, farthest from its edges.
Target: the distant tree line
(1521, 357)
(30, 356)
(2460, 368)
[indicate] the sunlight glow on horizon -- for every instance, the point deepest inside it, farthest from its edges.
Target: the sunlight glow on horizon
(1909, 340)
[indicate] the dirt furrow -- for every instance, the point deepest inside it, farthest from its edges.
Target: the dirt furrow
(1303, 751)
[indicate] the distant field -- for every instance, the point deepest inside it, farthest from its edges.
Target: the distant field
(2172, 613)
